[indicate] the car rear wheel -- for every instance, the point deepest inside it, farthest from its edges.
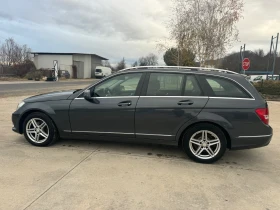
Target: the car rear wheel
(204, 143)
(39, 129)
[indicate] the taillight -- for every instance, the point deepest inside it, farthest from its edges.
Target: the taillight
(263, 114)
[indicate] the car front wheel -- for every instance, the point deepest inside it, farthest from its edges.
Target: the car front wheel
(39, 129)
(204, 143)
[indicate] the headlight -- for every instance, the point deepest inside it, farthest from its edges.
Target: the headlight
(20, 104)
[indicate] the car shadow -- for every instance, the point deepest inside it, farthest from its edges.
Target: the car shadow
(137, 149)
(240, 158)
(253, 159)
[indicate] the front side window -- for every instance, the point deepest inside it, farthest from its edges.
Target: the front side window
(165, 84)
(225, 88)
(121, 85)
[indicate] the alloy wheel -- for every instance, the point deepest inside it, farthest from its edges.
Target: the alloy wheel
(37, 130)
(205, 144)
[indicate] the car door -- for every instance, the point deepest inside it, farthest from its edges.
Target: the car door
(167, 102)
(112, 111)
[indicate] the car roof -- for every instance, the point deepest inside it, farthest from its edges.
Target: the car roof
(183, 69)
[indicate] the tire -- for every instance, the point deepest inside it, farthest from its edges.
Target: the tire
(198, 150)
(39, 134)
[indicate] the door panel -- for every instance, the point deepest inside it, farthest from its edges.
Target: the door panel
(113, 116)
(171, 100)
(112, 112)
(161, 117)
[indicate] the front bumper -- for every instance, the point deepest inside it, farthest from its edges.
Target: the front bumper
(16, 119)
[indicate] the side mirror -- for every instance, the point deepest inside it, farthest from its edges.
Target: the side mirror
(87, 96)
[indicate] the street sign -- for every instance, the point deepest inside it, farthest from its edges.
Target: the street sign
(246, 64)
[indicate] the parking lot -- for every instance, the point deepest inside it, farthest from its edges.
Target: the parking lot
(100, 175)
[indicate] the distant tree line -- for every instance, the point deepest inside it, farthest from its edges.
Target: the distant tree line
(259, 61)
(149, 60)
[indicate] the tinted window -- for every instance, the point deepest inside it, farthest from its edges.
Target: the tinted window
(98, 70)
(165, 84)
(225, 88)
(121, 85)
(192, 88)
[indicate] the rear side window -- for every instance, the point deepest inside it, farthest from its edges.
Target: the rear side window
(192, 88)
(225, 88)
(165, 84)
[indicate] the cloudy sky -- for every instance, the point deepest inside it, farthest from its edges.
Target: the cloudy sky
(117, 28)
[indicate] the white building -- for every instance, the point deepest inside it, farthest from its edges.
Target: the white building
(85, 63)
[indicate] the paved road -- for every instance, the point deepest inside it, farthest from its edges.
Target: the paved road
(29, 88)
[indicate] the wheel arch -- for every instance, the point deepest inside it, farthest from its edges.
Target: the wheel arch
(181, 135)
(25, 114)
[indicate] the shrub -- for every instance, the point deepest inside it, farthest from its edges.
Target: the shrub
(268, 87)
(22, 69)
(34, 75)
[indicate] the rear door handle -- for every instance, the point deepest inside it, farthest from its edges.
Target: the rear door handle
(124, 103)
(185, 102)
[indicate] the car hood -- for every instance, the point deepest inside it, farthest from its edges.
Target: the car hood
(54, 96)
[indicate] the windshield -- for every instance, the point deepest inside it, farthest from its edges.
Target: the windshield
(98, 70)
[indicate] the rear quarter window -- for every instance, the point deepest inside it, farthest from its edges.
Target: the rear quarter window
(220, 87)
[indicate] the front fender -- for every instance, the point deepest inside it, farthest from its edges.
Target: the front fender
(206, 117)
(58, 111)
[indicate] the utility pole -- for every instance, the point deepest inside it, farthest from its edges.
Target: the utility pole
(273, 47)
(178, 62)
(242, 52)
(267, 70)
(275, 54)
(179, 40)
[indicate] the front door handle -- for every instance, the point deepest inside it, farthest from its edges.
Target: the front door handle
(185, 102)
(124, 103)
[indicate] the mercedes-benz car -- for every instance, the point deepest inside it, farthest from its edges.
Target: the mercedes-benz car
(203, 111)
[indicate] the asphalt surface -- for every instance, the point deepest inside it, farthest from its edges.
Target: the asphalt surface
(29, 88)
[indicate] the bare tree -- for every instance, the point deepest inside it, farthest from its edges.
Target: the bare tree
(121, 65)
(12, 53)
(259, 52)
(135, 64)
(25, 53)
(107, 64)
(205, 27)
(149, 60)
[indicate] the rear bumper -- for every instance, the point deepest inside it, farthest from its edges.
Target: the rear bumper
(249, 142)
(98, 75)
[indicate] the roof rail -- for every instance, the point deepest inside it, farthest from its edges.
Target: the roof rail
(182, 67)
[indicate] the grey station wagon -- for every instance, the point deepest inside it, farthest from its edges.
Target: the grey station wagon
(204, 111)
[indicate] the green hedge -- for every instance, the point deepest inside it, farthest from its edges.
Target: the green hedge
(268, 87)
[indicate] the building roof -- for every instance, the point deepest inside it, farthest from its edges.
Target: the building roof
(50, 53)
